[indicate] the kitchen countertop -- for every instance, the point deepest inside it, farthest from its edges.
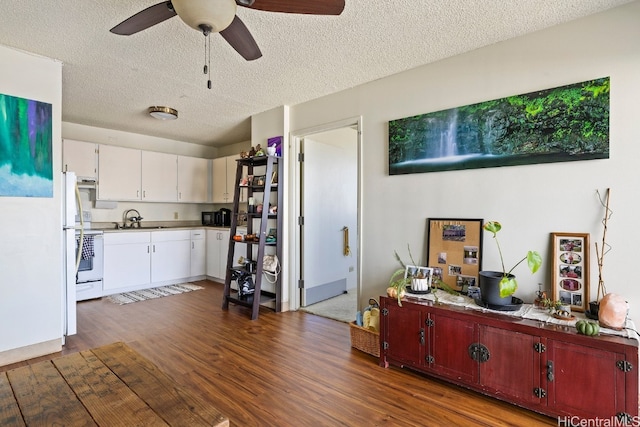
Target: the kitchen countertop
(153, 226)
(109, 227)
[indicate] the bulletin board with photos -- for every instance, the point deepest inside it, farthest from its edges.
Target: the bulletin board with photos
(454, 251)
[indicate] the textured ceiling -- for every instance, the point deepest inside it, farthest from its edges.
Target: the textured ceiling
(109, 81)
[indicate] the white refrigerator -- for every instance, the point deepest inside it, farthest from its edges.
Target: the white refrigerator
(70, 208)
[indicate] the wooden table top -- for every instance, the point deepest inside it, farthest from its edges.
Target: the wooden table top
(105, 386)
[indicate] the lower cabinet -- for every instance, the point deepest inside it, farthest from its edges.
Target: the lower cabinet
(198, 253)
(546, 368)
(141, 259)
(217, 250)
(127, 261)
(170, 255)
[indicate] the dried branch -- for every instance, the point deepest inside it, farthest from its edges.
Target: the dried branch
(605, 248)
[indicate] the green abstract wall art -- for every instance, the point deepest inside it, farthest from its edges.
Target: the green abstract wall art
(561, 124)
(26, 164)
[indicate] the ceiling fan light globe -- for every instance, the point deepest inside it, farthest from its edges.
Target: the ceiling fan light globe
(217, 14)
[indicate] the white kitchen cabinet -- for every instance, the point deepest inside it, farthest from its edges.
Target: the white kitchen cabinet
(198, 253)
(80, 157)
(170, 255)
(127, 261)
(193, 179)
(119, 173)
(159, 177)
(220, 189)
(224, 179)
(217, 250)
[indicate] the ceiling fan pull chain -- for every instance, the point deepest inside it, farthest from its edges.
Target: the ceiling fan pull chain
(206, 69)
(209, 64)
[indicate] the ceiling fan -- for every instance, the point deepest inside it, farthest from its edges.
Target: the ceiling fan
(219, 16)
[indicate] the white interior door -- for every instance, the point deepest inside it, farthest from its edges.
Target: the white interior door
(329, 204)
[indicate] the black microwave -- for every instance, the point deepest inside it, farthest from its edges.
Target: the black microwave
(208, 218)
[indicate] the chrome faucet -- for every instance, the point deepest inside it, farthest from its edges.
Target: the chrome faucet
(134, 220)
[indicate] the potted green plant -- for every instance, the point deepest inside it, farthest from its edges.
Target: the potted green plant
(497, 287)
(399, 280)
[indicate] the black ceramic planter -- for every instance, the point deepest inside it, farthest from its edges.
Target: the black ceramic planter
(490, 288)
(592, 313)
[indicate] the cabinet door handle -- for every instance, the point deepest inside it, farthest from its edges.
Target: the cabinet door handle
(144, 194)
(549, 370)
(147, 249)
(154, 248)
(193, 245)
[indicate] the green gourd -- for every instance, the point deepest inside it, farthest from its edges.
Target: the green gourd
(588, 328)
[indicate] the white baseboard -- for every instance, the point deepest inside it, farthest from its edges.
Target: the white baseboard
(29, 352)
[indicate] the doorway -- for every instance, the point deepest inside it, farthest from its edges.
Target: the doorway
(327, 233)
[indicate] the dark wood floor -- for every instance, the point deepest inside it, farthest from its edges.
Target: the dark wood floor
(282, 369)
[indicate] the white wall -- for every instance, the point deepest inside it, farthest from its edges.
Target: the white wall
(31, 242)
(526, 199)
(275, 122)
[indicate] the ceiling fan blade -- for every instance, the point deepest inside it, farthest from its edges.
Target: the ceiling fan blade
(144, 19)
(312, 7)
(238, 36)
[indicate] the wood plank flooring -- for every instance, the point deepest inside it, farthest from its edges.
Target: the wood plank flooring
(108, 386)
(283, 369)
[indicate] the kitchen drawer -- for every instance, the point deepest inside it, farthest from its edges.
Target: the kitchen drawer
(170, 235)
(198, 234)
(124, 237)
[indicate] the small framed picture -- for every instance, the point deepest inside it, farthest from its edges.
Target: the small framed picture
(420, 277)
(463, 283)
(570, 269)
(258, 181)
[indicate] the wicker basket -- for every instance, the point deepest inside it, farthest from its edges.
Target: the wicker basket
(365, 340)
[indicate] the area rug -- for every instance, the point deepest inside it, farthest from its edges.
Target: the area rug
(146, 294)
(342, 307)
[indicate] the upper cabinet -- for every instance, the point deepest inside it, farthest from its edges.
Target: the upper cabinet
(224, 177)
(220, 190)
(159, 177)
(119, 173)
(80, 157)
(193, 180)
(129, 174)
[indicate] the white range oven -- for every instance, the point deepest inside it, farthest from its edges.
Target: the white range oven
(90, 271)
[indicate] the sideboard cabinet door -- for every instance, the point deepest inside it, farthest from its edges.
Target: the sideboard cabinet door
(513, 368)
(405, 333)
(451, 338)
(586, 381)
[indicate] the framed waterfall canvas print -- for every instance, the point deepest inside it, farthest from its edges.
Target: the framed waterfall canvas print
(26, 163)
(570, 269)
(561, 124)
